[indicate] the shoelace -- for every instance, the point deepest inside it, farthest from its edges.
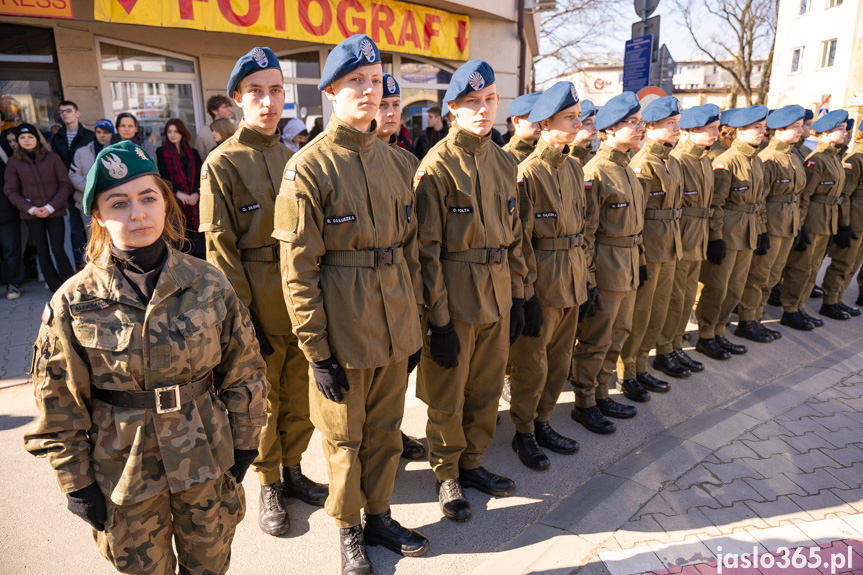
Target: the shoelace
(353, 545)
(452, 489)
(272, 500)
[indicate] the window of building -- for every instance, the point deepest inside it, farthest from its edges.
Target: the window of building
(833, 3)
(797, 59)
(678, 69)
(423, 85)
(804, 7)
(828, 53)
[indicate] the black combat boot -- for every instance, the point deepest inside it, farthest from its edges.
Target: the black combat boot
(852, 311)
(633, 391)
(385, 531)
(816, 321)
(711, 348)
(550, 439)
(453, 504)
(688, 362)
(668, 364)
(795, 320)
(355, 559)
(272, 515)
(775, 293)
(528, 451)
(651, 383)
(817, 292)
(750, 330)
(486, 481)
(412, 448)
(610, 408)
(731, 348)
(592, 420)
(295, 484)
(775, 334)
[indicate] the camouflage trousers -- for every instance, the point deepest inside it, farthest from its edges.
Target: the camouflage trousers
(200, 520)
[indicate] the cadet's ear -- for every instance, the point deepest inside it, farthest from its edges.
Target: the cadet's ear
(330, 93)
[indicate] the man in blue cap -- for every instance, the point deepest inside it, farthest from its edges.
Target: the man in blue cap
(736, 230)
(700, 127)
(521, 144)
(473, 274)
(553, 212)
(239, 182)
(616, 203)
(784, 179)
(821, 218)
(84, 159)
(582, 147)
(661, 176)
(347, 229)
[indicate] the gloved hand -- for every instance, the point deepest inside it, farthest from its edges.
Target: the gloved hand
(716, 251)
(243, 458)
(89, 504)
(330, 378)
(844, 236)
(532, 317)
(801, 241)
(763, 244)
(263, 340)
(642, 275)
(594, 302)
(444, 346)
(414, 359)
(516, 319)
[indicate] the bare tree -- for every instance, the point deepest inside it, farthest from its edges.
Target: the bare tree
(735, 35)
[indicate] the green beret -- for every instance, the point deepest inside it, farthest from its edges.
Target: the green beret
(116, 165)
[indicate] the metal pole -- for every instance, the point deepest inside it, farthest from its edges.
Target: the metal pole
(522, 48)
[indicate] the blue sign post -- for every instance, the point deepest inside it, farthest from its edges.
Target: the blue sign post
(636, 63)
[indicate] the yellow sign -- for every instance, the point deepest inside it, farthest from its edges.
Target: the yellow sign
(394, 26)
(37, 8)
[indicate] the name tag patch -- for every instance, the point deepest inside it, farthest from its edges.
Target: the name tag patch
(546, 215)
(740, 189)
(460, 210)
(92, 305)
(827, 183)
(250, 208)
(652, 194)
(690, 193)
(341, 219)
(783, 181)
(618, 205)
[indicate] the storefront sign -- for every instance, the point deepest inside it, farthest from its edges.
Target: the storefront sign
(37, 8)
(394, 26)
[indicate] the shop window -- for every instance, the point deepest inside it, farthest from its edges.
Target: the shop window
(302, 98)
(30, 89)
(423, 86)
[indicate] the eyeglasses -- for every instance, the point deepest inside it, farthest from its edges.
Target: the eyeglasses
(635, 124)
(65, 111)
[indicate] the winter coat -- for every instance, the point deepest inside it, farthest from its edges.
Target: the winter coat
(36, 183)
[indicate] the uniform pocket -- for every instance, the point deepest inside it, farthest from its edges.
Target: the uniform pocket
(117, 544)
(197, 320)
(108, 335)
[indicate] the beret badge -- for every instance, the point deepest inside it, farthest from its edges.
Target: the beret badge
(116, 168)
(476, 81)
(391, 85)
(574, 93)
(260, 58)
(367, 50)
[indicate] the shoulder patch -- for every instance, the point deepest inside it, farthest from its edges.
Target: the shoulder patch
(810, 163)
(588, 185)
(637, 171)
(848, 165)
(520, 181)
(719, 167)
(90, 305)
(420, 175)
(204, 174)
(47, 314)
(290, 175)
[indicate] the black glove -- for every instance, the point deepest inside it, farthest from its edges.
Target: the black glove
(716, 251)
(762, 245)
(330, 378)
(801, 241)
(243, 458)
(263, 340)
(844, 236)
(414, 360)
(516, 319)
(532, 317)
(89, 504)
(594, 302)
(642, 275)
(444, 346)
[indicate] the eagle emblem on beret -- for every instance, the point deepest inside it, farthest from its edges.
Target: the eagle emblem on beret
(476, 81)
(115, 166)
(391, 85)
(574, 93)
(260, 58)
(367, 49)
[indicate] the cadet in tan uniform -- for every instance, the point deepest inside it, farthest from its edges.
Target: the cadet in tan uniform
(801, 150)
(726, 135)
(615, 201)
(582, 147)
(344, 217)
(522, 143)
(473, 278)
(553, 212)
(661, 177)
(819, 212)
(784, 179)
(700, 126)
(239, 182)
(736, 230)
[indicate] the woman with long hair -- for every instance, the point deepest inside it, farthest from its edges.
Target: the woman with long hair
(180, 164)
(222, 130)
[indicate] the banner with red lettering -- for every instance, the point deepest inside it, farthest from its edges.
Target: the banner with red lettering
(37, 8)
(394, 26)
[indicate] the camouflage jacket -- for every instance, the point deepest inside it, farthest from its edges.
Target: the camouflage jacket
(96, 332)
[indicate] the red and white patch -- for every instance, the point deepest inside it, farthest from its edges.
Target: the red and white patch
(290, 175)
(47, 314)
(848, 165)
(420, 175)
(719, 167)
(637, 171)
(810, 163)
(520, 181)
(588, 185)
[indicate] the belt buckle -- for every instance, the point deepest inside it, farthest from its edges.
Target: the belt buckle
(573, 241)
(493, 256)
(383, 257)
(174, 390)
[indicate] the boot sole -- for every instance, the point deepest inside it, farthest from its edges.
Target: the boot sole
(396, 549)
(275, 532)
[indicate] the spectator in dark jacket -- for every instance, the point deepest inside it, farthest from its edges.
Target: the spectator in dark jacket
(128, 128)
(180, 164)
(11, 257)
(436, 131)
(37, 183)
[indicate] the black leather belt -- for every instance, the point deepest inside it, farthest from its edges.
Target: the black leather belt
(163, 399)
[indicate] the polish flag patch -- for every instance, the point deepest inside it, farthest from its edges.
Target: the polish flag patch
(636, 170)
(848, 165)
(810, 163)
(719, 167)
(520, 181)
(588, 185)
(204, 174)
(420, 175)
(290, 175)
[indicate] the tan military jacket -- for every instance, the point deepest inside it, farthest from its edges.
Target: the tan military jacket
(580, 153)
(239, 182)
(553, 212)
(96, 332)
(738, 193)
(784, 180)
(695, 210)
(825, 180)
(518, 148)
(412, 161)
(346, 199)
(615, 196)
(662, 179)
(853, 164)
(467, 201)
(715, 150)
(801, 150)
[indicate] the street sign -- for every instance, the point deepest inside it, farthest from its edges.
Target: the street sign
(662, 71)
(645, 8)
(636, 63)
(649, 27)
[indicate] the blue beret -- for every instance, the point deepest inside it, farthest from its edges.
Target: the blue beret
(726, 116)
(617, 110)
(860, 126)
(809, 115)
(391, 87)
(347, 56)
(559, 97)
(471, 76)
(829, 121)
(660, 108)
(587, 110)
(785, 116)
(522, 105)
(256, 60)
(699, 116)
(115, 165)
(746, 116)
(849, 125)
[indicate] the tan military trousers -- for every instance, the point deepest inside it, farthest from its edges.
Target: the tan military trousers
(362, 439)
(764, 273)
(682, 299)
(201, 521)
(800, 273)
(843, 263)
(599, 340)
(463, 401)
(723, 286)
(540, 367)
(648, 317)
(286, 435)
